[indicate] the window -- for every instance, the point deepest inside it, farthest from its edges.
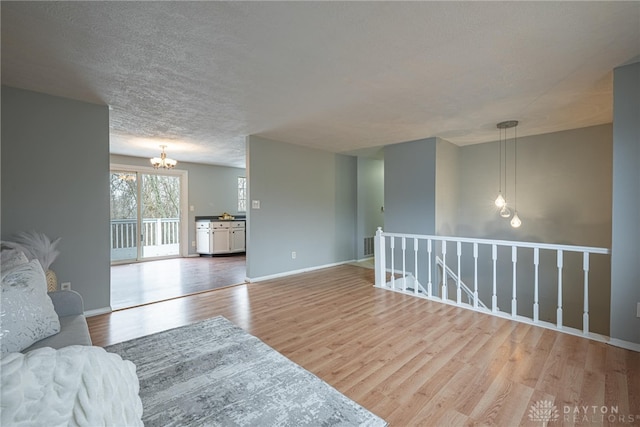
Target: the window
(242, 194)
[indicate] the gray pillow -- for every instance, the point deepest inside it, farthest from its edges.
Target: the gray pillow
(26, 314)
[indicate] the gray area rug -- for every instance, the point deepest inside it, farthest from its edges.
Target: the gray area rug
(213, 373)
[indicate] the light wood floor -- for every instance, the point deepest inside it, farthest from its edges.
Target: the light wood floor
(152, 281)
(410, 361)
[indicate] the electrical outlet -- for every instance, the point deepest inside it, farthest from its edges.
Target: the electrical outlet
(293, 255)
(193, 243)
(65, 286)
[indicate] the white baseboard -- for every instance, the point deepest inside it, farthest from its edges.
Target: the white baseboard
(292, 272)
(98, 311)
(625, 344)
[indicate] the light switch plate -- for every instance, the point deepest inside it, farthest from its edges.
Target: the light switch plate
(255, 204)
(638, 310)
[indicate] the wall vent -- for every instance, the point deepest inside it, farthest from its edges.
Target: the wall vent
(368, 246)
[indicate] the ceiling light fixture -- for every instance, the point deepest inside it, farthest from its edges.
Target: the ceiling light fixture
(505, 212)
(500, 201)
(515, 221)
(163, 161)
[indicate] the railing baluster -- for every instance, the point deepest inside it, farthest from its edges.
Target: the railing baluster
(585, 314)
(559, 310)
(536, 263)
(444, 295)
(429, 284)
(514, 300)
(494, 296)
(415, 260)
(404, 263)
(392, 245)
(475, 275)
(458, 290)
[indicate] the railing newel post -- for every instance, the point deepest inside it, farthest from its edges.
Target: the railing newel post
(380, 259)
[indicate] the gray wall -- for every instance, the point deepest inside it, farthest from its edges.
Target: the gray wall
(410, 196)
(370, 200)
(213, 189)
(409, 187)
(625, 268)
(307, 205)
(55, 179)
(563, 193)
(447, 187)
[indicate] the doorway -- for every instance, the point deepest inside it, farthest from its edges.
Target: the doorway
(147, 214)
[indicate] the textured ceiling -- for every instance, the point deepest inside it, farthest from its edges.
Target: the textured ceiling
(340, 76)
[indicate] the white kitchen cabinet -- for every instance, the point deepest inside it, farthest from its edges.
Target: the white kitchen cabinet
(220, 240)
(237, 239)
(220, 237)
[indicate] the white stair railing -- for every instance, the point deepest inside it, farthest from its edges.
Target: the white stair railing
(408, 278)
(472, 296)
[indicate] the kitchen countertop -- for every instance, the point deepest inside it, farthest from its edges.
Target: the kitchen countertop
(215, 218)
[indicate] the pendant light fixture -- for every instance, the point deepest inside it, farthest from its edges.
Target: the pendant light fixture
(500, 201)
(515, 221)
(163, 161)
(505, 212)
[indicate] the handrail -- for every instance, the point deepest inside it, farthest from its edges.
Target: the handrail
(552, 246)
(463, 286)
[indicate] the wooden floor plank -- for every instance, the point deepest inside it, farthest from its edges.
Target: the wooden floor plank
(409, 360)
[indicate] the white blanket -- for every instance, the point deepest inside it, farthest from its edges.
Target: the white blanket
(75, 386)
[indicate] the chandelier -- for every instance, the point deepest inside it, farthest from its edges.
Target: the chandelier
(163, 161)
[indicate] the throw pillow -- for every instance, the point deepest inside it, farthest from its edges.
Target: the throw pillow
(26, 311)
(72, 386)
(10, 259)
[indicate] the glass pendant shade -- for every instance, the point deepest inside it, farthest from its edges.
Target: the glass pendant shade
(515, 221)
(505, 212)
(500, 202)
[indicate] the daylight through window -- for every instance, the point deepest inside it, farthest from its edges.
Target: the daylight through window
(242, 194)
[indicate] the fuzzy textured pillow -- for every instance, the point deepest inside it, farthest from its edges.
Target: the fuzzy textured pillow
(72, 386)
(26, 311)
(10, 259)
